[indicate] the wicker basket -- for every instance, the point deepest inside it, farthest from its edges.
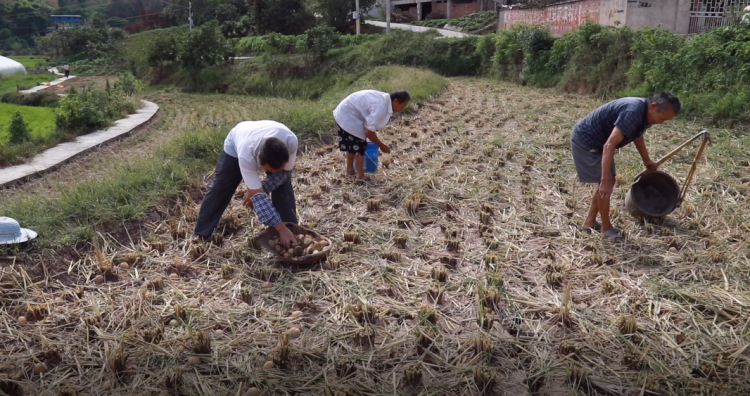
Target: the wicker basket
(269, 233)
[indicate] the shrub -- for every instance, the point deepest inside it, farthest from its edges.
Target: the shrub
(41, 98)
(319, 40)
(19, 131)
(128, 83)
(84, 111)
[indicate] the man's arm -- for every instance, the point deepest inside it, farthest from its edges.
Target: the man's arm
(607, 183)
(640, 144)
(274, 180)
(374, 138)
(268, 215)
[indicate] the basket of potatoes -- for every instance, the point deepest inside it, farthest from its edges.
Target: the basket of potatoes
(309, 246)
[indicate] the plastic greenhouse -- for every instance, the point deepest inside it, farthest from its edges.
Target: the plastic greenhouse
(9, 66)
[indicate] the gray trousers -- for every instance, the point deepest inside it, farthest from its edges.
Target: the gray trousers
(227, 178)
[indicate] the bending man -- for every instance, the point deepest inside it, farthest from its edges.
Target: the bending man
(612, 126)
(250, 148)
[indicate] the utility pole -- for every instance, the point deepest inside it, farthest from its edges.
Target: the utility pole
(387, 16)
(448, 9)
(190, 15)
(357, 16)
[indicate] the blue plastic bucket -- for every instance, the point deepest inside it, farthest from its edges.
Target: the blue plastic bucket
(371, 158)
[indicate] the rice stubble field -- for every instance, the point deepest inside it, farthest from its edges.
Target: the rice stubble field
(459, 269)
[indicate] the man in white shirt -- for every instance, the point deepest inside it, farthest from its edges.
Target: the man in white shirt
(359, 116)
(252, 147)
(746, 16)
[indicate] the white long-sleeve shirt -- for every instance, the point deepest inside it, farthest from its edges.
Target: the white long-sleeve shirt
(245, 140)
(364, 109)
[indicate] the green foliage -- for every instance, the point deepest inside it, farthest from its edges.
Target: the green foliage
(276, 43)
(468, 23)
(94, 39)
(319, 40)
(41, 126)
(128, 83)
(23, 81)
(43, 98)
(287, 17)
(22, 19)
(154, 49)
(85, 110)
(447, 56)
(28, 61)
(205, 46)
(336, 12)
(19, 130)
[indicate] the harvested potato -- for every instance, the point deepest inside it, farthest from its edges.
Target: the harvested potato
(278, 248)
(287, 255)
(40, 368)
(290, 250)
(298, 251)
(315, 252)
(272, 243)
(308, 241)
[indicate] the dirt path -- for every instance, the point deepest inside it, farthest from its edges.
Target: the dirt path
(470, 273)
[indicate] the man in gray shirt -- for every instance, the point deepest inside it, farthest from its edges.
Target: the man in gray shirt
(612, 126)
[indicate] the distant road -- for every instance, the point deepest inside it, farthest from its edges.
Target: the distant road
(415, 28)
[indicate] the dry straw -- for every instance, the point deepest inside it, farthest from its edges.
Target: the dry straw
(459, 270)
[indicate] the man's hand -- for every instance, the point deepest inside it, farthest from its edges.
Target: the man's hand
(247, 200)
(650, 165)
(605, 187)
(286, 238)
(385, 149)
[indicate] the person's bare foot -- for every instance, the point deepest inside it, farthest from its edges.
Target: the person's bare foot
(362, 178)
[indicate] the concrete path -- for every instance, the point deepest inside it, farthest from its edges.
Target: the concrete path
(415, 28)
(51, 84)
(62, 153)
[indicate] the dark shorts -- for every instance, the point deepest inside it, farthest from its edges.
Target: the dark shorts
(350, 143)
(588, 163)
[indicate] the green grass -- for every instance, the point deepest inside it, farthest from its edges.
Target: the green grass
(29, 61)
(9, 83)
(41, 120)
(125, 193)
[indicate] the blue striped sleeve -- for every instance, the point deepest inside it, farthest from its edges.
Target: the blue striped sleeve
(267, 214)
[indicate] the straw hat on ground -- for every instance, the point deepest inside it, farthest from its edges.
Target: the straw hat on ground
(11, 232)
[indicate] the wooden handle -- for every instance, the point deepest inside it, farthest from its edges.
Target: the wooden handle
(676, 150)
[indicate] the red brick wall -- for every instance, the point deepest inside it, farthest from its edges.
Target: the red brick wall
(414, 12)
(562, 18)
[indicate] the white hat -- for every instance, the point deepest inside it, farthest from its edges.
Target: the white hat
(11, 232)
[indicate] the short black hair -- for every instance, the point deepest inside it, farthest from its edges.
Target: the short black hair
(666, 101)
(401, 95)
(274, 153)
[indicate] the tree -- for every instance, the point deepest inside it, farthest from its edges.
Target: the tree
(19, 131)
(336, 13)
(289, 17)
(25, 19)
(205, 46)
(319, 40)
